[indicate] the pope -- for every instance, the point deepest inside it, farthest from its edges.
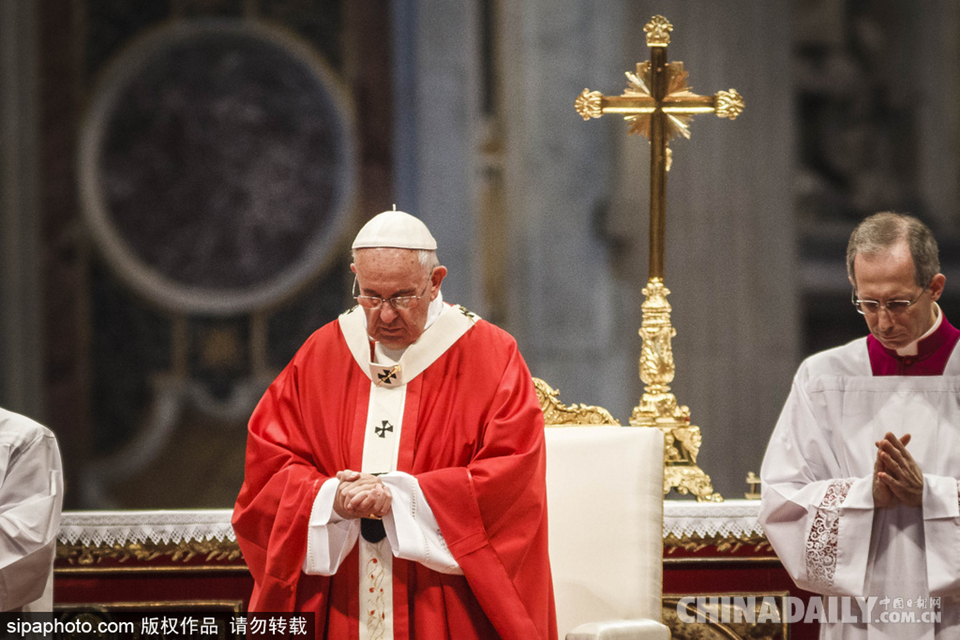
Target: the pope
(394, 480)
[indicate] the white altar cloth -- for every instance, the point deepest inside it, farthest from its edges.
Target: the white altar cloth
(681, 518)
(727, 519)
(95, 528)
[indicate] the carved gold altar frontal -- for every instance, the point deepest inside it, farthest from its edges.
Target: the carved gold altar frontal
(659, 105)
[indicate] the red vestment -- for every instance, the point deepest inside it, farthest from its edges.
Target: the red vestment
(477, 450)
(933, 352)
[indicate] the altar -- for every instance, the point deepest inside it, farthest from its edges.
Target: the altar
(115, 561)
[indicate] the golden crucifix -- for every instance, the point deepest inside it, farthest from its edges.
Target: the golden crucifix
(659, 105)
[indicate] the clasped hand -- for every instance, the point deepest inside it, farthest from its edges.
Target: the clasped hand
(361, 495)
(896, 477)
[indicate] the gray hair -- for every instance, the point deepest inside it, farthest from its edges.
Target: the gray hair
(427, 258)
(884, 230)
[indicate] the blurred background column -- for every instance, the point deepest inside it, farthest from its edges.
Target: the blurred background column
(20, 331)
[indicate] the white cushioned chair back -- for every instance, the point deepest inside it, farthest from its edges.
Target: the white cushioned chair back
(605, 500)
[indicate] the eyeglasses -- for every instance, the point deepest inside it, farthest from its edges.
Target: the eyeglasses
(894, 307)
(397, 302)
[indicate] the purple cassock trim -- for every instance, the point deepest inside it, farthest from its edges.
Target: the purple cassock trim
(931, 359)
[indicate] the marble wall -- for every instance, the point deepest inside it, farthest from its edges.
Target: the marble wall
(575, 197)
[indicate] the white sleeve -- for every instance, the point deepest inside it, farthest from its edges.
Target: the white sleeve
(329, 537)
(818, 521)
(411, 527)
(941, 530)
(31, 499)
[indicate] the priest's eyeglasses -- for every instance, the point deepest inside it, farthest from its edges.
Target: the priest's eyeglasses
(397, 302)
(894, 307)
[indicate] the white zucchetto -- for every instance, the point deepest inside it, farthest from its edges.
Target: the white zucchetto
(397, 230)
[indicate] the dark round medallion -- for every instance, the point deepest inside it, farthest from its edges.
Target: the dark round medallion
(217, 165)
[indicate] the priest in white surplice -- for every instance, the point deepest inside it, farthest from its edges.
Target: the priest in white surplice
(860, 478)
(31, 497)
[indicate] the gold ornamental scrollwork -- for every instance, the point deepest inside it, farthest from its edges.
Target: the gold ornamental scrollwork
(658, 97)
(185, 551)
(556, 414)
(722, 543)
(658, 406)
(638, 85)
(688, 478)
(678, 106)
(589, 104)
(729, 104)
(657, 366)
(658, 31)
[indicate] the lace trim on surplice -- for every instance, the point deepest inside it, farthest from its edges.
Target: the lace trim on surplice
(824, 534)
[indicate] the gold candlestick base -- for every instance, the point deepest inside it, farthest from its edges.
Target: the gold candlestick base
(658, 407)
